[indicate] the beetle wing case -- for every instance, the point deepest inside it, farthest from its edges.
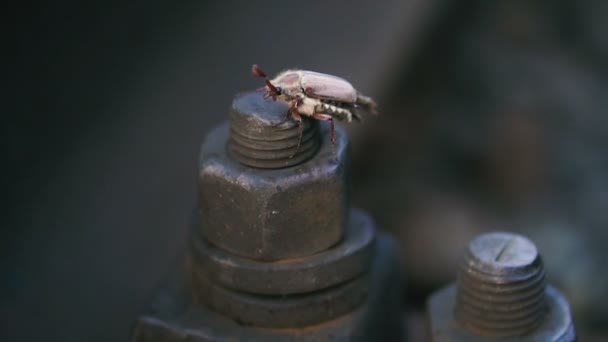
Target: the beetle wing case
(328, 87)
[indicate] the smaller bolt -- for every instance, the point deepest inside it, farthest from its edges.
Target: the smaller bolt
(501, 286)
(262, 136)
(500, 295)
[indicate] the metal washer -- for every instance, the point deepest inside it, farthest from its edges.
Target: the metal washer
(344, 261)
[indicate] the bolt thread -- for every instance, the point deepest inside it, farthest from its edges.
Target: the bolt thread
(500, 303)
(263, 136)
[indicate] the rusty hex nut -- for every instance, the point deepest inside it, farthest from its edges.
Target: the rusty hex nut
(272, 214)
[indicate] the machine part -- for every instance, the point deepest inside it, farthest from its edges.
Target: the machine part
(272, 224)
(261, 137)
(284, 311)
(500, 295)
(348, 259)
(272, 214)
(501, 288)
(174, 317)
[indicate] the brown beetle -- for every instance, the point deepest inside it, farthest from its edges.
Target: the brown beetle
(316, 95)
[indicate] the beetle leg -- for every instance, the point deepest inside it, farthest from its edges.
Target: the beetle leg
(367, 102)
(297, 118)
(328, 117)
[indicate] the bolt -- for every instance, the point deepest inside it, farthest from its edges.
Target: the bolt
(278, 254)
(501, 286)
(500, 293)
(263, 136)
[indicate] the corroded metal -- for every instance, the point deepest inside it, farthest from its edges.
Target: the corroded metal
(278, 254)
(344, 261)
(284, 311)
(272, 214)
(174, 316)
(500, 294)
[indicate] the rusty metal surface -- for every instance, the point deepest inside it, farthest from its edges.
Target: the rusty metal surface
(173, 316)
(349, 258)
(284, 311)
(273, 214)
(278, 255)
(500, 294)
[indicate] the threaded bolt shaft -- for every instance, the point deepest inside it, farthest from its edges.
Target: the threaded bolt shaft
(262, 136)
(501, 286)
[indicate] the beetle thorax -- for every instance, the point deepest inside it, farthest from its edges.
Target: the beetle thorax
(289, 83)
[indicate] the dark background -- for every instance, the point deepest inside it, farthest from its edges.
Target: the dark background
(493, 117)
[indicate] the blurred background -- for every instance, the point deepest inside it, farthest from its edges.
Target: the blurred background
(493, 117)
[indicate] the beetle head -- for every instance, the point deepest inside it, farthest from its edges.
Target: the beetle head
(272, 91)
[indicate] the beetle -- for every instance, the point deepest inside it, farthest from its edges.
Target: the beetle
(316, 95)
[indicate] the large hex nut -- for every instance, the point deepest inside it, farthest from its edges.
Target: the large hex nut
(273, 214)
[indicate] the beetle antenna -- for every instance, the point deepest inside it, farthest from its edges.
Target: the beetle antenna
(258, 72)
